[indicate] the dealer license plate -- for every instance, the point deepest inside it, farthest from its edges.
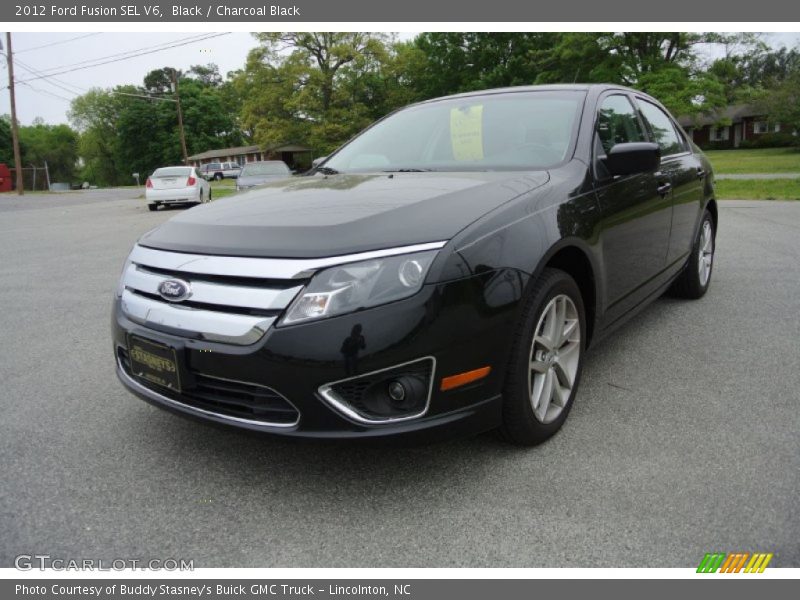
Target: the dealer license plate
(153, 362)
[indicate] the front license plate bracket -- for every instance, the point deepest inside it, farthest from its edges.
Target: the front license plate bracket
(154, 363)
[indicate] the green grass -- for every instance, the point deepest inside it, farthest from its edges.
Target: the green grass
(760, 160)
(758, 189)
(222, 188)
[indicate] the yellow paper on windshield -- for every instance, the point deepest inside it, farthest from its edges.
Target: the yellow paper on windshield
(466, 132)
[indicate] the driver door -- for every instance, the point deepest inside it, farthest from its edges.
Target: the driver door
(636, 211)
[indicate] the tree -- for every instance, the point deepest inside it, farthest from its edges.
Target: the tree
(56, 145)
(314, 88)
(159, 81)
(124, 132)
(666, 64)
(95, 115)
(6, 151)
(208, 74)
(781, 102)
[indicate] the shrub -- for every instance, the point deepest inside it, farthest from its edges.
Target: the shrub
(772, 140)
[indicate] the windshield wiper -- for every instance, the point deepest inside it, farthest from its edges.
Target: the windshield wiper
(327, 171)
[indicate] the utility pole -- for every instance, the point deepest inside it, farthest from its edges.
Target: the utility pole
(180, 116)
(14, 124)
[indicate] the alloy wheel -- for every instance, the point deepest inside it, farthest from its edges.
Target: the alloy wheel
(706, 255)
(554, 358)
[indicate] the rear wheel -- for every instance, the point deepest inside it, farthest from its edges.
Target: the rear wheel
(152, 206)
(696, 277)
(547, 356)
(217, 176)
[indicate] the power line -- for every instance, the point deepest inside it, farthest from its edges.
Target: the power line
(127, 52)
(105, 62)
(29, 86)
(63, 85)
(80, 37)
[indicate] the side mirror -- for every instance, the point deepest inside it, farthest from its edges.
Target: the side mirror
(318, 161)
(633, 157)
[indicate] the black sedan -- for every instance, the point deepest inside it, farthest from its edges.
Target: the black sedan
(442, 273)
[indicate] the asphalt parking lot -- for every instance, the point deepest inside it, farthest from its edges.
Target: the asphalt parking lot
(683, 440)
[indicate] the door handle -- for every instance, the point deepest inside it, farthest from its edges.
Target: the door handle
(700, 173)
(664, 188)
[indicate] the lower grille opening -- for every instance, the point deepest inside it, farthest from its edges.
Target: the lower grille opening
(227, 398)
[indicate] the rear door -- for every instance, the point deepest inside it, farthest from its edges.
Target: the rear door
(636, 210)
(686, 175)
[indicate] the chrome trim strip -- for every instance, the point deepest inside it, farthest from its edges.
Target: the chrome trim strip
(139, 278)
(193, 409)
(326, 392)
(263, 268)
(209, 325)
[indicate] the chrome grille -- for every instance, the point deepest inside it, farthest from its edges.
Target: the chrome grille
(225, 305)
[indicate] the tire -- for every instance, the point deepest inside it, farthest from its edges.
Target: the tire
(218, 176)
(695, 279)
(209, 195)
(200, 198)
(152, 206)
(531, 415)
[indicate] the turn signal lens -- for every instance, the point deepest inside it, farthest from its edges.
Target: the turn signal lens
(191, 181)
(149, 183)
(454, 381)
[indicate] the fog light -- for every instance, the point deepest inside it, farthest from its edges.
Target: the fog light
(397, 392)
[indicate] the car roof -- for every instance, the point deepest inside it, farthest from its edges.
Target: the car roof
(554, 87)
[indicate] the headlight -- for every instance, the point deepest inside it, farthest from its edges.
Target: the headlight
(350, 287)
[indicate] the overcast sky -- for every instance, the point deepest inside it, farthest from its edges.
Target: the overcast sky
(49, 99)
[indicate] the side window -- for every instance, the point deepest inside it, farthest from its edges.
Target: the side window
(618, 123)
(662, 131)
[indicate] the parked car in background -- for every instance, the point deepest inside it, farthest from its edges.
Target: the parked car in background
(220, 170)
(441, 273)
(256, 173)
(176, 185)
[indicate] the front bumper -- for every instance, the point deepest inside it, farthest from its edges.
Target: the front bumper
(463, 325)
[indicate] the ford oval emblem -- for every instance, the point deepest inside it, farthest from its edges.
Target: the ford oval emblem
(174, 290)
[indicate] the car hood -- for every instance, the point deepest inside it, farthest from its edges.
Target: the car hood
(320, 216)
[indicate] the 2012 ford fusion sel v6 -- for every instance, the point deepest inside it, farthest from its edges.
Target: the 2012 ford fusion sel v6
(442, 273)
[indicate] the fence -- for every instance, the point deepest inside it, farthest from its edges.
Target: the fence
(34, 178)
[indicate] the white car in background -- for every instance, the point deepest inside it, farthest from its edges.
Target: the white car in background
(176, 185)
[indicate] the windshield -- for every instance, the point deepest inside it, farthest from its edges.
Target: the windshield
(173, 172)
(520, 130)
(265, 168)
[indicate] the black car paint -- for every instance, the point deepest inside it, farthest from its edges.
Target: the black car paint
(309, 217)
(504, 228)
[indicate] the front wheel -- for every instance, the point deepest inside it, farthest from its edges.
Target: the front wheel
(693, 282)
(546, 360)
